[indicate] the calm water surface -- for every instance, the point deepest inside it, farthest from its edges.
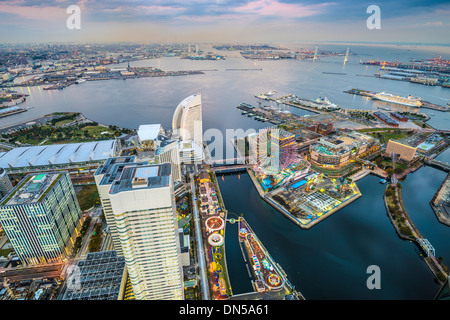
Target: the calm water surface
(330, 260)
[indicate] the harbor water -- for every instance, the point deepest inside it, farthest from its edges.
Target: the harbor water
(330, 260)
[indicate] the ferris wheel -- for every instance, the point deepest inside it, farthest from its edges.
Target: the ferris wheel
(274, 150)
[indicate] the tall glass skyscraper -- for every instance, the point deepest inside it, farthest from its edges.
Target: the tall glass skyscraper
(143, 203)
(41, 217)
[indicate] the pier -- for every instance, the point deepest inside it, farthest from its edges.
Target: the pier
(407, 231)
(210, 216)
(371, 94)
(268, 278)
(440, 202)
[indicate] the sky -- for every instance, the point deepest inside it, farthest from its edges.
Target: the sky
(225, 21)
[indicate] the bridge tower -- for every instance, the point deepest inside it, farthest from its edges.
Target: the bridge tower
(346, 56)
(315, 54)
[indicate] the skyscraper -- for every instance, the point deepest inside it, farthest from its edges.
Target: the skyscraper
(41, 217)
(5, 183)
(104, 177)
(169, 151)
(143, 204)
(187, 119)
(187, 127)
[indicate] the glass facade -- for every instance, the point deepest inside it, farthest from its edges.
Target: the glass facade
(41, 226)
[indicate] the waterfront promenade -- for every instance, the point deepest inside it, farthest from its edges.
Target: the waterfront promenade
(407, 230)
(440, 204)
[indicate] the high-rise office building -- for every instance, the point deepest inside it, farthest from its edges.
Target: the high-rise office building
(169, 151)
(41, 217)
(104, 177)
(144, 209)
(5, 183)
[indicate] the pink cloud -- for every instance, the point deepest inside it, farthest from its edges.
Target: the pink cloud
(160, 10)
(35, 13)
(275, 8)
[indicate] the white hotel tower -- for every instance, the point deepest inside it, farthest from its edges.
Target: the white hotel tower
(143, 203)
(187, 126)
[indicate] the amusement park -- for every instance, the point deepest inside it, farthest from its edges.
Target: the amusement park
(268, 276)
(213, 217)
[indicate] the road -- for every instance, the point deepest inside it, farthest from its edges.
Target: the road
(20, 274)
(200, 250)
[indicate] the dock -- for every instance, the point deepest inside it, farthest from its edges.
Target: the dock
(425, 104)
(269, 280)
(10, 111)
(440, 203)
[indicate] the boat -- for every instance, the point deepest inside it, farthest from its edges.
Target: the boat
(383, 181)
(271, 93)
(406, 101)
(80, 81)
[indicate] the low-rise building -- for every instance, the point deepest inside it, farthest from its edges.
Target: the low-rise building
(405, 152)
(337, 150)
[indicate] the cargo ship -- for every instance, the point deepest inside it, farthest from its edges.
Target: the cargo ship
(406, 101)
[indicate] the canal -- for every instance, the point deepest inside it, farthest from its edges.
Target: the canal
(330, 260)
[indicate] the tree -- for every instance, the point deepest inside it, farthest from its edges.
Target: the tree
(389, 192)
(390, 171)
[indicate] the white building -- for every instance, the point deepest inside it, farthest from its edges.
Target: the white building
(148, 135)
(143, 204)
(187, 122)
(170, 152)
(104, 177)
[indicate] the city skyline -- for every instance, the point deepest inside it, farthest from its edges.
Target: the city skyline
(224, 21)
(224, 150)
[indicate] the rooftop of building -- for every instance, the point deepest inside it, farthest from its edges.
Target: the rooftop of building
(188, 100)
(32, 189)
(57, 154)
(165, 143)
(109, 163)
(149, 131)
(100, 277)
(341, 143)
(145, 176)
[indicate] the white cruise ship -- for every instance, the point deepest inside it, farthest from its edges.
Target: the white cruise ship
(406, 101)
